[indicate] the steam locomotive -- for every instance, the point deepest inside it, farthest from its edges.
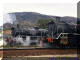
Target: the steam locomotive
(63, 35)
(59, 34)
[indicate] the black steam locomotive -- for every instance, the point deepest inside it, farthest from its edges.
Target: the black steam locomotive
(59, 34)
(63, 35)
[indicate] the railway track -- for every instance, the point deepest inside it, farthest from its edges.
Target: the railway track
(36, 52)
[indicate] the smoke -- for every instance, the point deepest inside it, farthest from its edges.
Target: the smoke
(1, 42)
(25, 42)
(4, 43)
(9, 18)
(19, 40)
(16, 40)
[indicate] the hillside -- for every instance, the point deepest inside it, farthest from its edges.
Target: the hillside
(34, 17)
(30, 19)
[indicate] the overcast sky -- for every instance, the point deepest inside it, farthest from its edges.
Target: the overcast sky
(58, 9)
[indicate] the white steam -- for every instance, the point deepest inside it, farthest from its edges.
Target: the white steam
(9, 18)
(19, 39)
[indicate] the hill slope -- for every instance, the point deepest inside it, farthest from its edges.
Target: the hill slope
(33, 17)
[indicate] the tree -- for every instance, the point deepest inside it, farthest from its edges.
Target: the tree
(43, 23)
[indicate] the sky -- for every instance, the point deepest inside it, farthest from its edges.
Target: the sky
(56, 9)
(48, 7)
